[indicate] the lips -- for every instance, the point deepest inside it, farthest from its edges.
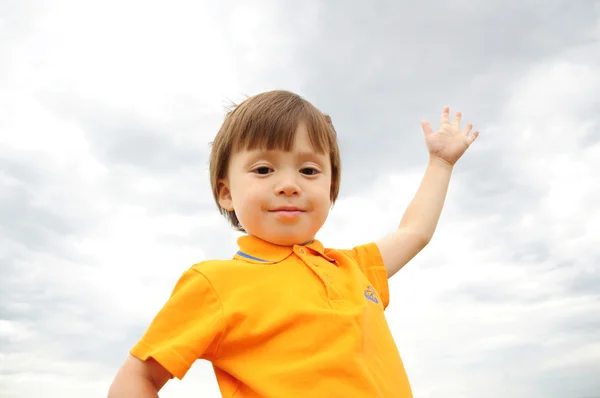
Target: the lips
(287, 211)
(287, 208)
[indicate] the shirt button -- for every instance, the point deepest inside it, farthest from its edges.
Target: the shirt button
(302, 251)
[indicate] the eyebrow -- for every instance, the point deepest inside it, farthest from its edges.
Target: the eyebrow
(310, 154)
(303, 154)
(315, 156)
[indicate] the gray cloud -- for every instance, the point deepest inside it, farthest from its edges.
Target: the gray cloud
(389, 74)
(409, 61)
(377, 68)
(121, 138)
(29, 224)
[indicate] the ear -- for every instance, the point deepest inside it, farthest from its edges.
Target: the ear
(225, 200)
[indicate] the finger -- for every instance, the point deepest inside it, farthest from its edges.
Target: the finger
(445, 116)
(467, 129)
(456, 121)
(426, 127)
(473, 137)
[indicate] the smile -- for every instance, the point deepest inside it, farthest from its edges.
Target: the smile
(287, 211)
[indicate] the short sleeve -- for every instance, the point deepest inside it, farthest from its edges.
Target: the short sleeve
(370, 262)
(188, 327)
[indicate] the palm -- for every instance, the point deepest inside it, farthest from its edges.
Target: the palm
(450, 142)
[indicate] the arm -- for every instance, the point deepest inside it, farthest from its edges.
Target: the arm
(136, 378)
(189, 326)
(420, 219)
(422, 215)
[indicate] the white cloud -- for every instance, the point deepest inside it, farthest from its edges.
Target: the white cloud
(482, 312)
(170, 66)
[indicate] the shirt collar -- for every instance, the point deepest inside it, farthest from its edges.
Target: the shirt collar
(258, 251)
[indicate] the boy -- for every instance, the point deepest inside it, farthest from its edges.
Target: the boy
(286, 317)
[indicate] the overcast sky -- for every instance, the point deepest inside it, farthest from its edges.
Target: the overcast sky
(106, 114)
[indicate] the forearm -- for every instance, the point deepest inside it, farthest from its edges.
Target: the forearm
(423, 213)
(138, 379)
(133, 386)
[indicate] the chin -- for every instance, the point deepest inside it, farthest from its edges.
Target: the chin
(286, 238)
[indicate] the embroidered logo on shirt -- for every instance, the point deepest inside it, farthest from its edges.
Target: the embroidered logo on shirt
(371, 294)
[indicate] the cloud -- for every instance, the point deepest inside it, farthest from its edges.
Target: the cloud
(505, 292)
(410, 61)
(105, 197)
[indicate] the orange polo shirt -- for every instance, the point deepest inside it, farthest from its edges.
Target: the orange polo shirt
(282, 322)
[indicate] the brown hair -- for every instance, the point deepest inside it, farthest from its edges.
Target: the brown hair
(269, 121)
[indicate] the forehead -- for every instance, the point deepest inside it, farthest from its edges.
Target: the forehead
(302, 147)
(309, 134)
(303, 140)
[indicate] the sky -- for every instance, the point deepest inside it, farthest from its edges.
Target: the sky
(107, 110)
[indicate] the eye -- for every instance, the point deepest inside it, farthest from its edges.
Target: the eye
(263, 170)
(309, 171)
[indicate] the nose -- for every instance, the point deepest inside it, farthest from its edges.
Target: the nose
(287, 185)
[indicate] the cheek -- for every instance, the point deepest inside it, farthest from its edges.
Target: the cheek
(323, 192)
(237, 192)
(247, 193)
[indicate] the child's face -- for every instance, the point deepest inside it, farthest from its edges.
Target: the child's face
(281, 197)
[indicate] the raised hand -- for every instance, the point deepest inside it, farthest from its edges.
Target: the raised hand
(450, 142)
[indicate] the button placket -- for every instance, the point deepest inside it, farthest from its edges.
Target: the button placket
(313, 264)
(321, 269)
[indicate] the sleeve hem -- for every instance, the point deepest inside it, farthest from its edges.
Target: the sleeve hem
(168, 359)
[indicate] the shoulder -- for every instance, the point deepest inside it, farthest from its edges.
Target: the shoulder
(368, 259)
(365, 255)
(214, 269)
(213, 265)
(224, 275)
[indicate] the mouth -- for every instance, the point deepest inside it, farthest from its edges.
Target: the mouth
(287, 211)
